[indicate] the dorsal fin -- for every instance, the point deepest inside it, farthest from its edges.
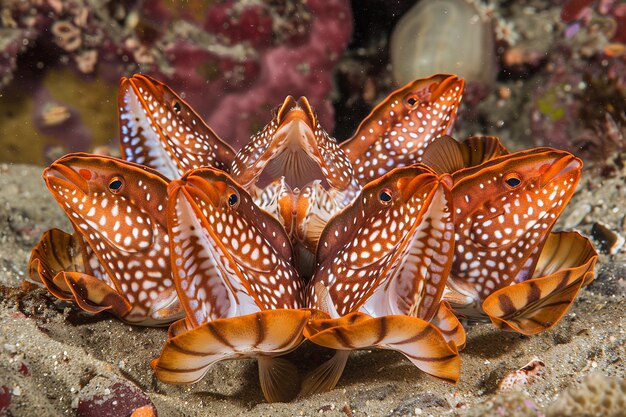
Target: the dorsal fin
(479, 149)
(444, 155)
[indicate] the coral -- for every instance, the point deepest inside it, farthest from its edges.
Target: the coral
(598, 395)
(581, 105)
(233, 60)
(604, 18)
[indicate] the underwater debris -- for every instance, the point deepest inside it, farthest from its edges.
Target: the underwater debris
(526, 375)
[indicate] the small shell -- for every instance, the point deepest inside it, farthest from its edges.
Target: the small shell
(527, 375)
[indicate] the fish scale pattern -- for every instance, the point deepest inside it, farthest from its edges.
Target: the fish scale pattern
(394, 239)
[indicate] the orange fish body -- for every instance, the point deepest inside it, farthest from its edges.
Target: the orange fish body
(233, 273)
(382, 267)
(117, 209)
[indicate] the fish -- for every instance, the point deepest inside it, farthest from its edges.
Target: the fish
(400, 128)
(233, 273)
(505, 209)
(294, 145)
(118, 258)
(293, 149)
(383, 262)
(160, 130)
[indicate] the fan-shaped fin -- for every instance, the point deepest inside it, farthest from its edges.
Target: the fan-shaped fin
(56, 251)
(93, 295)
(479, 149)
(325, 377)
(444, 155)
(565, 265)
(187, 356)
(279, 379)
(421, 342)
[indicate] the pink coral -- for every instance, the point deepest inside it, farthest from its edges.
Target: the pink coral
(299, 70)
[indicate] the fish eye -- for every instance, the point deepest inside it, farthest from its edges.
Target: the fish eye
(411, 100)
(116, 184)
(176, 105)
(513, 180)
(385, 196)
(233, 199)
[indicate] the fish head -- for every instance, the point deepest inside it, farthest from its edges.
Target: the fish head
(159, 129)
(389, 251)
(293, 145)
(109, 201)
(504, 210)
(118, 208)
(397, 130)
(230, 258)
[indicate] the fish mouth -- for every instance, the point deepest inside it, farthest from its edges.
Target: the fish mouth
(296, 156)
(61, 175)
(212, 191)
(138, 81)
(420, 184)
(566, 165)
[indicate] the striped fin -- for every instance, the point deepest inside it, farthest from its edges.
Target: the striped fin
(565, 265)
(56, 251)
(421, 342)
(186, 357)
(278, 378)
(93, 295)
(57, 262)
(479, 149)
(325, 377)
(446, 156)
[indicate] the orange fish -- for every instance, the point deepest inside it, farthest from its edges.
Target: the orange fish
(398, 130)
(118, 258)
(383, 262)
(295, 156)
(505, 208)
(160, 130)
(233, 273)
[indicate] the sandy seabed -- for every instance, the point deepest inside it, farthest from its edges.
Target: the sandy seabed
(55, 360)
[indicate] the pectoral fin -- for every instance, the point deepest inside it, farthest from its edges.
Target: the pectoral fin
(279, 379)
(536, 305)
(421, 342)
(93, 295)
(187, 356)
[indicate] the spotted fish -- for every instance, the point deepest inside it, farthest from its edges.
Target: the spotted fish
(398, 130)
(315, 170)
(383, 264)
(160, 130)
(505, 209)
(118, 258)
(295, 146)
(233, 274)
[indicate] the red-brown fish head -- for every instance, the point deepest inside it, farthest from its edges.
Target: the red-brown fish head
(293, 145)
(397, 130)
(159, 129)
(230, 258)
(119, 209)
(504, 210)
(390, 250)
